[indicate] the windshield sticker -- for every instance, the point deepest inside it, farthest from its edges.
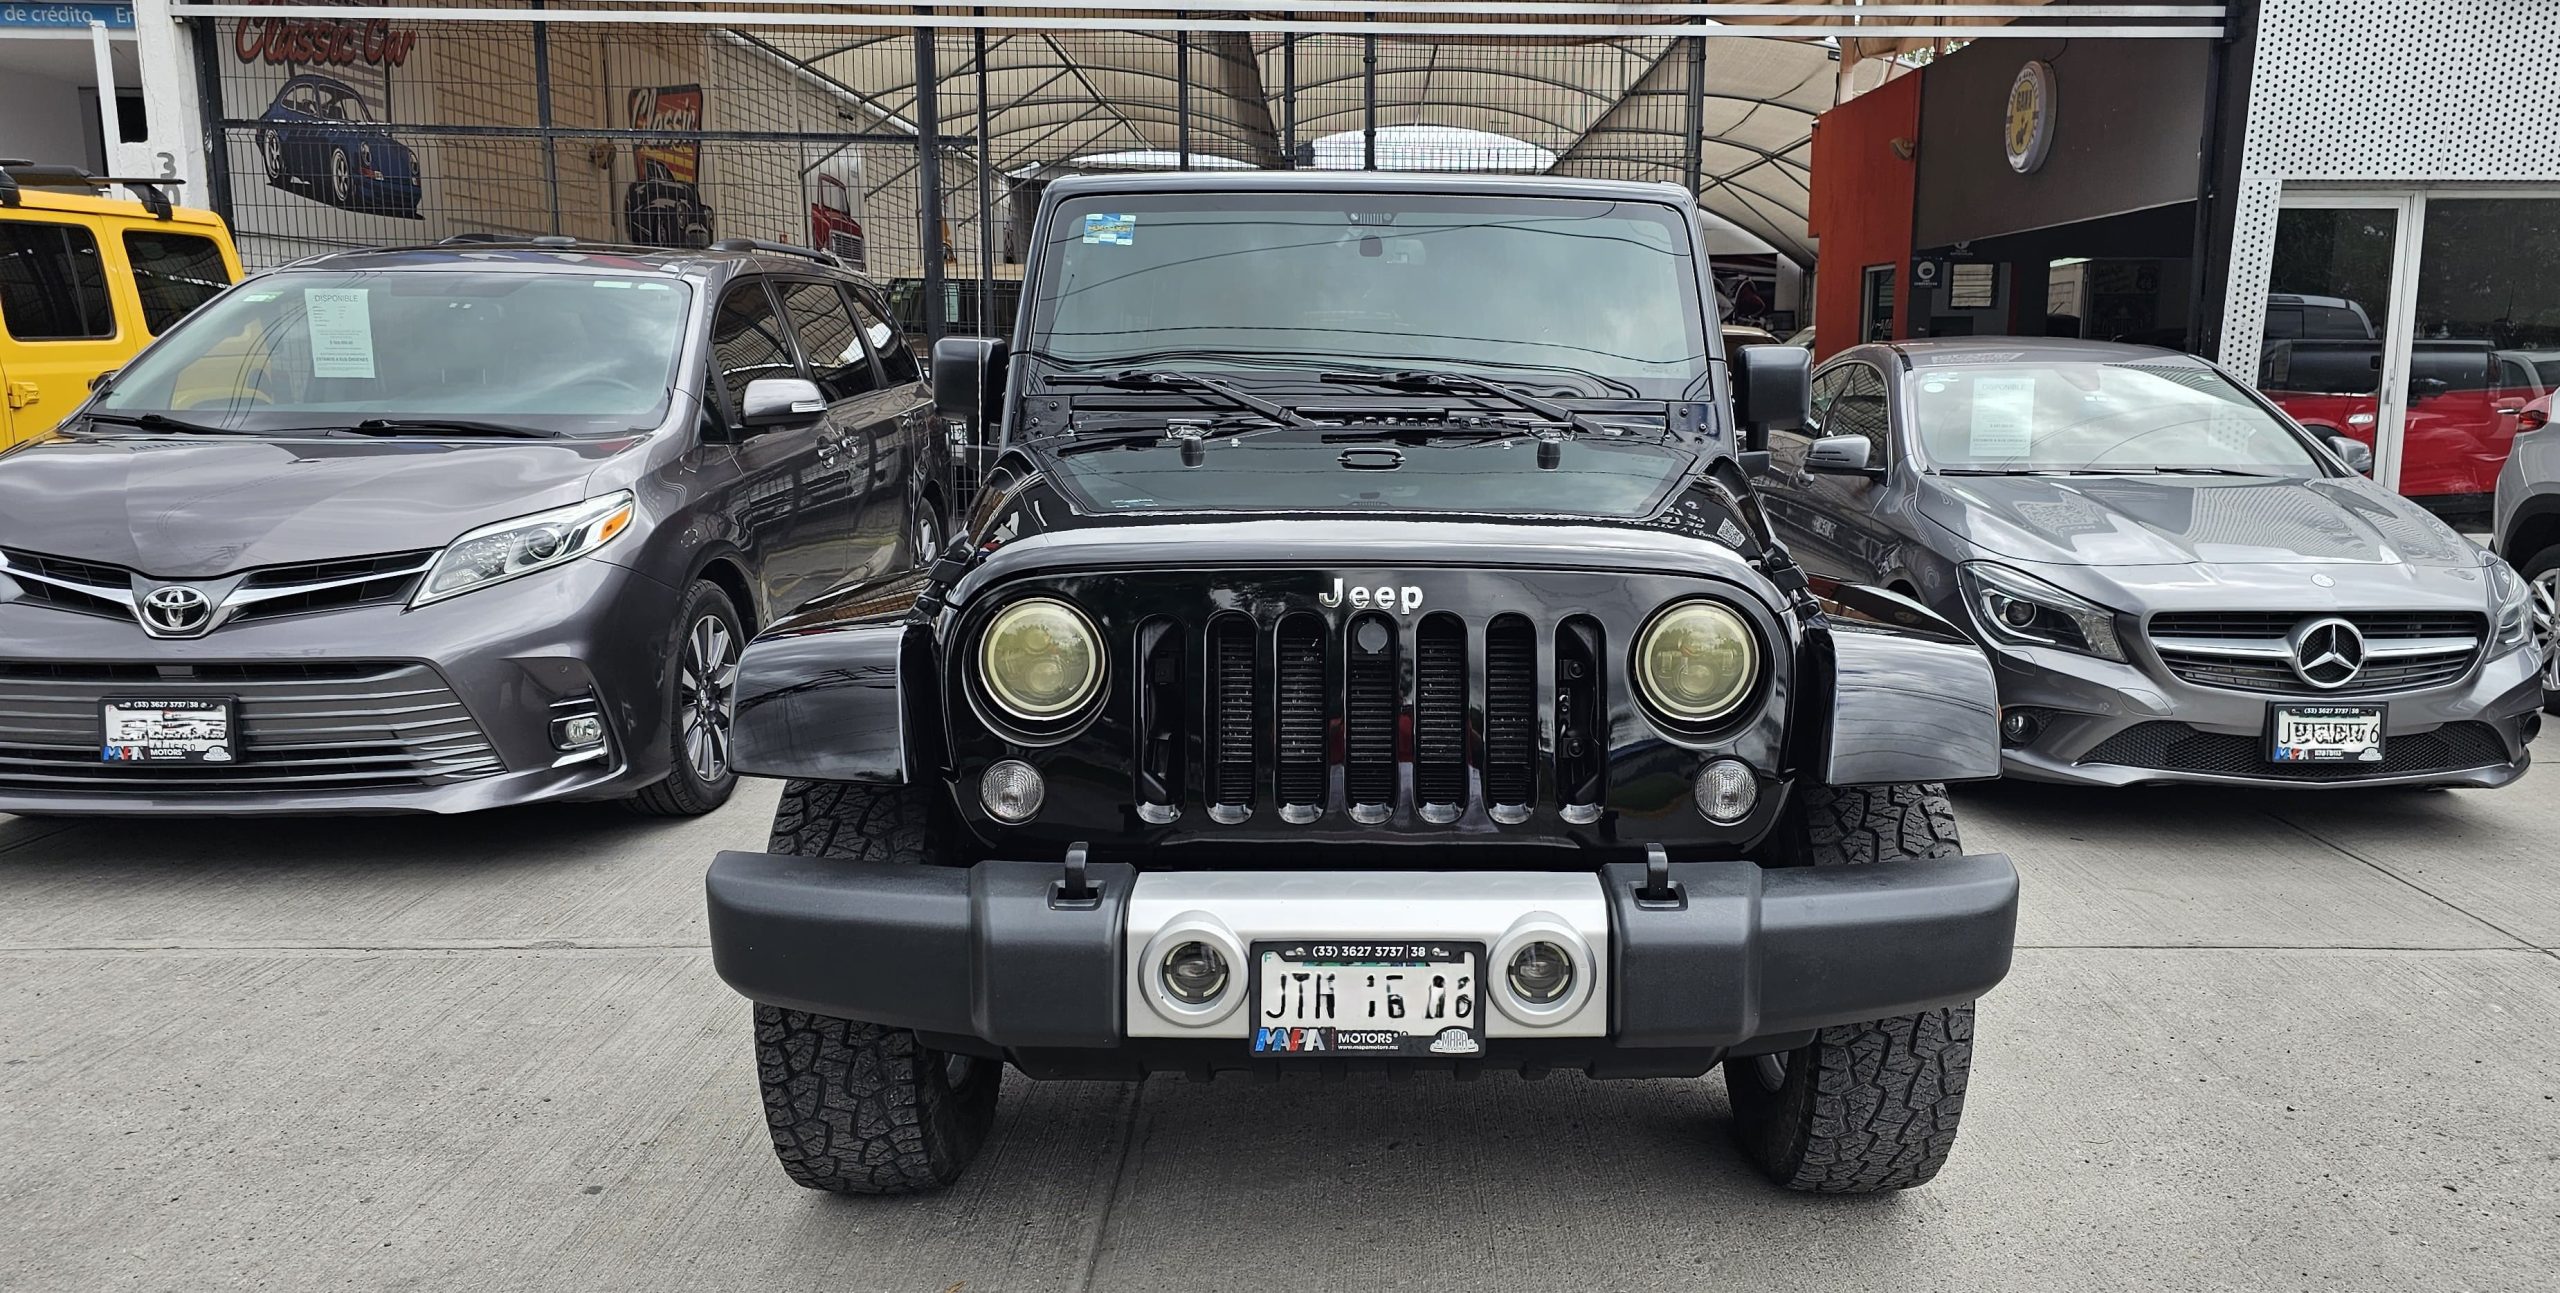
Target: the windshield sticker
(1971, 357)
(260, 296)
(2004, 416)
(341, 331)
(622, 283)
(1111, 230)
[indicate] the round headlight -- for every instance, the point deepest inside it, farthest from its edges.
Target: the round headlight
(1697, 661)
(1040, 659)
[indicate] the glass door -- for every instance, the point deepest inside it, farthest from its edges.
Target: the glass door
(2484, 343)
(2333, 294)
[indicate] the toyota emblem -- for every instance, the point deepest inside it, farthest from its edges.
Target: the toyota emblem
(177, 609)
(2328, 653)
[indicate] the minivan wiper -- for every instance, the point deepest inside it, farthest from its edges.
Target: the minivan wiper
(438, 426)
(1464, 383)
(1166, 379)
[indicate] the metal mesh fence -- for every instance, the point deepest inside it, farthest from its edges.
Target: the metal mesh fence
(373, 132)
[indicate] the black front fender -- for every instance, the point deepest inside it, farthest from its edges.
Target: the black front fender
(843, 690)
(1909, 696)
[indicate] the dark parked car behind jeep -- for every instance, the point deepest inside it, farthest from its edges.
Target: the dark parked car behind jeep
(1365, 654)
(442, 528)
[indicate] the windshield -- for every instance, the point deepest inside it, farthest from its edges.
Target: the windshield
(2107, 417)
(576, 354)
(1297, 471)
(1499, 286)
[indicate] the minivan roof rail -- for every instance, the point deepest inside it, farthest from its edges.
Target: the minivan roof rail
(17, 174)
(779, 249)
(491, 236)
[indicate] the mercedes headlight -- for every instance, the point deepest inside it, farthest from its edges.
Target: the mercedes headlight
(2511, 604)
(2022, 609)
(1697, 661)
(1040, 659)
(500, 552)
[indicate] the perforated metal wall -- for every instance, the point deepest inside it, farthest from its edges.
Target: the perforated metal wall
(2385, 92)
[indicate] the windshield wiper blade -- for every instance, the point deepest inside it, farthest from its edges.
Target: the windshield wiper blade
(437, 426)
(1165, 379)
(2201, 471)
(161, 422)
(1462, 383)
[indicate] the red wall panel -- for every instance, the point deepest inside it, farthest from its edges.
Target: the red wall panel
(1862, 203)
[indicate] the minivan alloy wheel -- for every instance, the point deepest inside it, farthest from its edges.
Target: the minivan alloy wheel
(705, 695)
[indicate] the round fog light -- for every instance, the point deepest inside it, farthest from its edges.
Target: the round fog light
(2018, 726)
(1541, 973)
(1011, 791)
(1726, 791)
(1194, 973)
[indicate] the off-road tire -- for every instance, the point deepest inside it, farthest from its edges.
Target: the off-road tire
(1872, 1106)
(859, 1108)
(684, 792)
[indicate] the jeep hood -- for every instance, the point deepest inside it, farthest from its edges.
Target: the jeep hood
(2188, 520)
(194, 507)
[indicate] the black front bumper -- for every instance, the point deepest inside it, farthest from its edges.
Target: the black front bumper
(985, 959)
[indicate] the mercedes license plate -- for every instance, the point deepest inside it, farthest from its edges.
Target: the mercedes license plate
(166, 731)
(2325, 734)
(1416, 999)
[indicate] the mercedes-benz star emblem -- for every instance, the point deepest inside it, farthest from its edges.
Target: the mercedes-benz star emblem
(2328, 653)
(175, 608)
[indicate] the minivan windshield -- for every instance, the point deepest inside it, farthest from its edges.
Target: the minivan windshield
(2125, 417)
(295, 350)
(1516, 288)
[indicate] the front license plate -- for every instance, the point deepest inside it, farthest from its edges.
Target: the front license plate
(1320, 999)
(166, 731)
(2325, 734)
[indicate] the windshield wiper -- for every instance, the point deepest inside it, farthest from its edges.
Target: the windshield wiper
(1166, 379)
(437, 426)
(1464, 383)
(161, 422)
(2202, 471)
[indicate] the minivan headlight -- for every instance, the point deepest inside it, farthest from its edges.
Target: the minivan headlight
(500, 552)
(1697, 661)
(1040, 659)
(2012, 606)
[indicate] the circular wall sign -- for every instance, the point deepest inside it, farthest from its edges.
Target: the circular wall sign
(2032, 102)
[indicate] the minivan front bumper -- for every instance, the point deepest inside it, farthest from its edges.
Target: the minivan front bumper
(995, 959)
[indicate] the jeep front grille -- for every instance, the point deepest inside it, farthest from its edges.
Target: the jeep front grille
(1331, 714)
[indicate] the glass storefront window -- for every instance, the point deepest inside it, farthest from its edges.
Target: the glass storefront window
(2487, 341)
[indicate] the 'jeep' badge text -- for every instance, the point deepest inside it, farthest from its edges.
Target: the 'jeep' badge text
(1404, 599)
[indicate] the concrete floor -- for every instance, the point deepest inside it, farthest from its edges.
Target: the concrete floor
(2252, 1041)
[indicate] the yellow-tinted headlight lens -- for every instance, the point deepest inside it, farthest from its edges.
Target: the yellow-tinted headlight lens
(1040, 659)
(1697, 661)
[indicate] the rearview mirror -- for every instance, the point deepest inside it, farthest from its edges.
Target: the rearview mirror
(781, 402)
(968, 380)
(1840, 455)
(2355, 453)
(1772, 390)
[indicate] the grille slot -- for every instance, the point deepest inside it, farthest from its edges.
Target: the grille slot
(1440, 712)
(86, 587)
(1510, 711)
(1159, 693)
(1231, 713)
(1369, 710)
(332, 585)
(1301, 756)
(340, 726)
(2176, 747)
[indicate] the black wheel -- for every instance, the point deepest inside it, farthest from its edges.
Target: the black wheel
(925, 532)
(702, 675)
(342, 176)
(1872, 1106)
(859, 1108)
(2542, 574)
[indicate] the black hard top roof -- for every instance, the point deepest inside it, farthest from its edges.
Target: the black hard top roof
(1246, 181)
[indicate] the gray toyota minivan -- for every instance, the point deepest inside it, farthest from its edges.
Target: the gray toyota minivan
(440, 528)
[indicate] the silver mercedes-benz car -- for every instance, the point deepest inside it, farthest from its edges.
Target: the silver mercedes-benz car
(2175, 582)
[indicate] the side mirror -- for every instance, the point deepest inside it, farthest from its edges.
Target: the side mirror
(2355, 453)
(1772, 391)
(1840, 455)
(781, 402)
(2428, 387)
(968, 380)
(99, 382)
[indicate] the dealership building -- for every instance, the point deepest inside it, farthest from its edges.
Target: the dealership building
(2355, 206)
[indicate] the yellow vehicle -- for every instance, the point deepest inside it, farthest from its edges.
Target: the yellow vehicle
(86, 280)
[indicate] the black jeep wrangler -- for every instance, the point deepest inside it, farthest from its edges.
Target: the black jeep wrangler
(1365, 652)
